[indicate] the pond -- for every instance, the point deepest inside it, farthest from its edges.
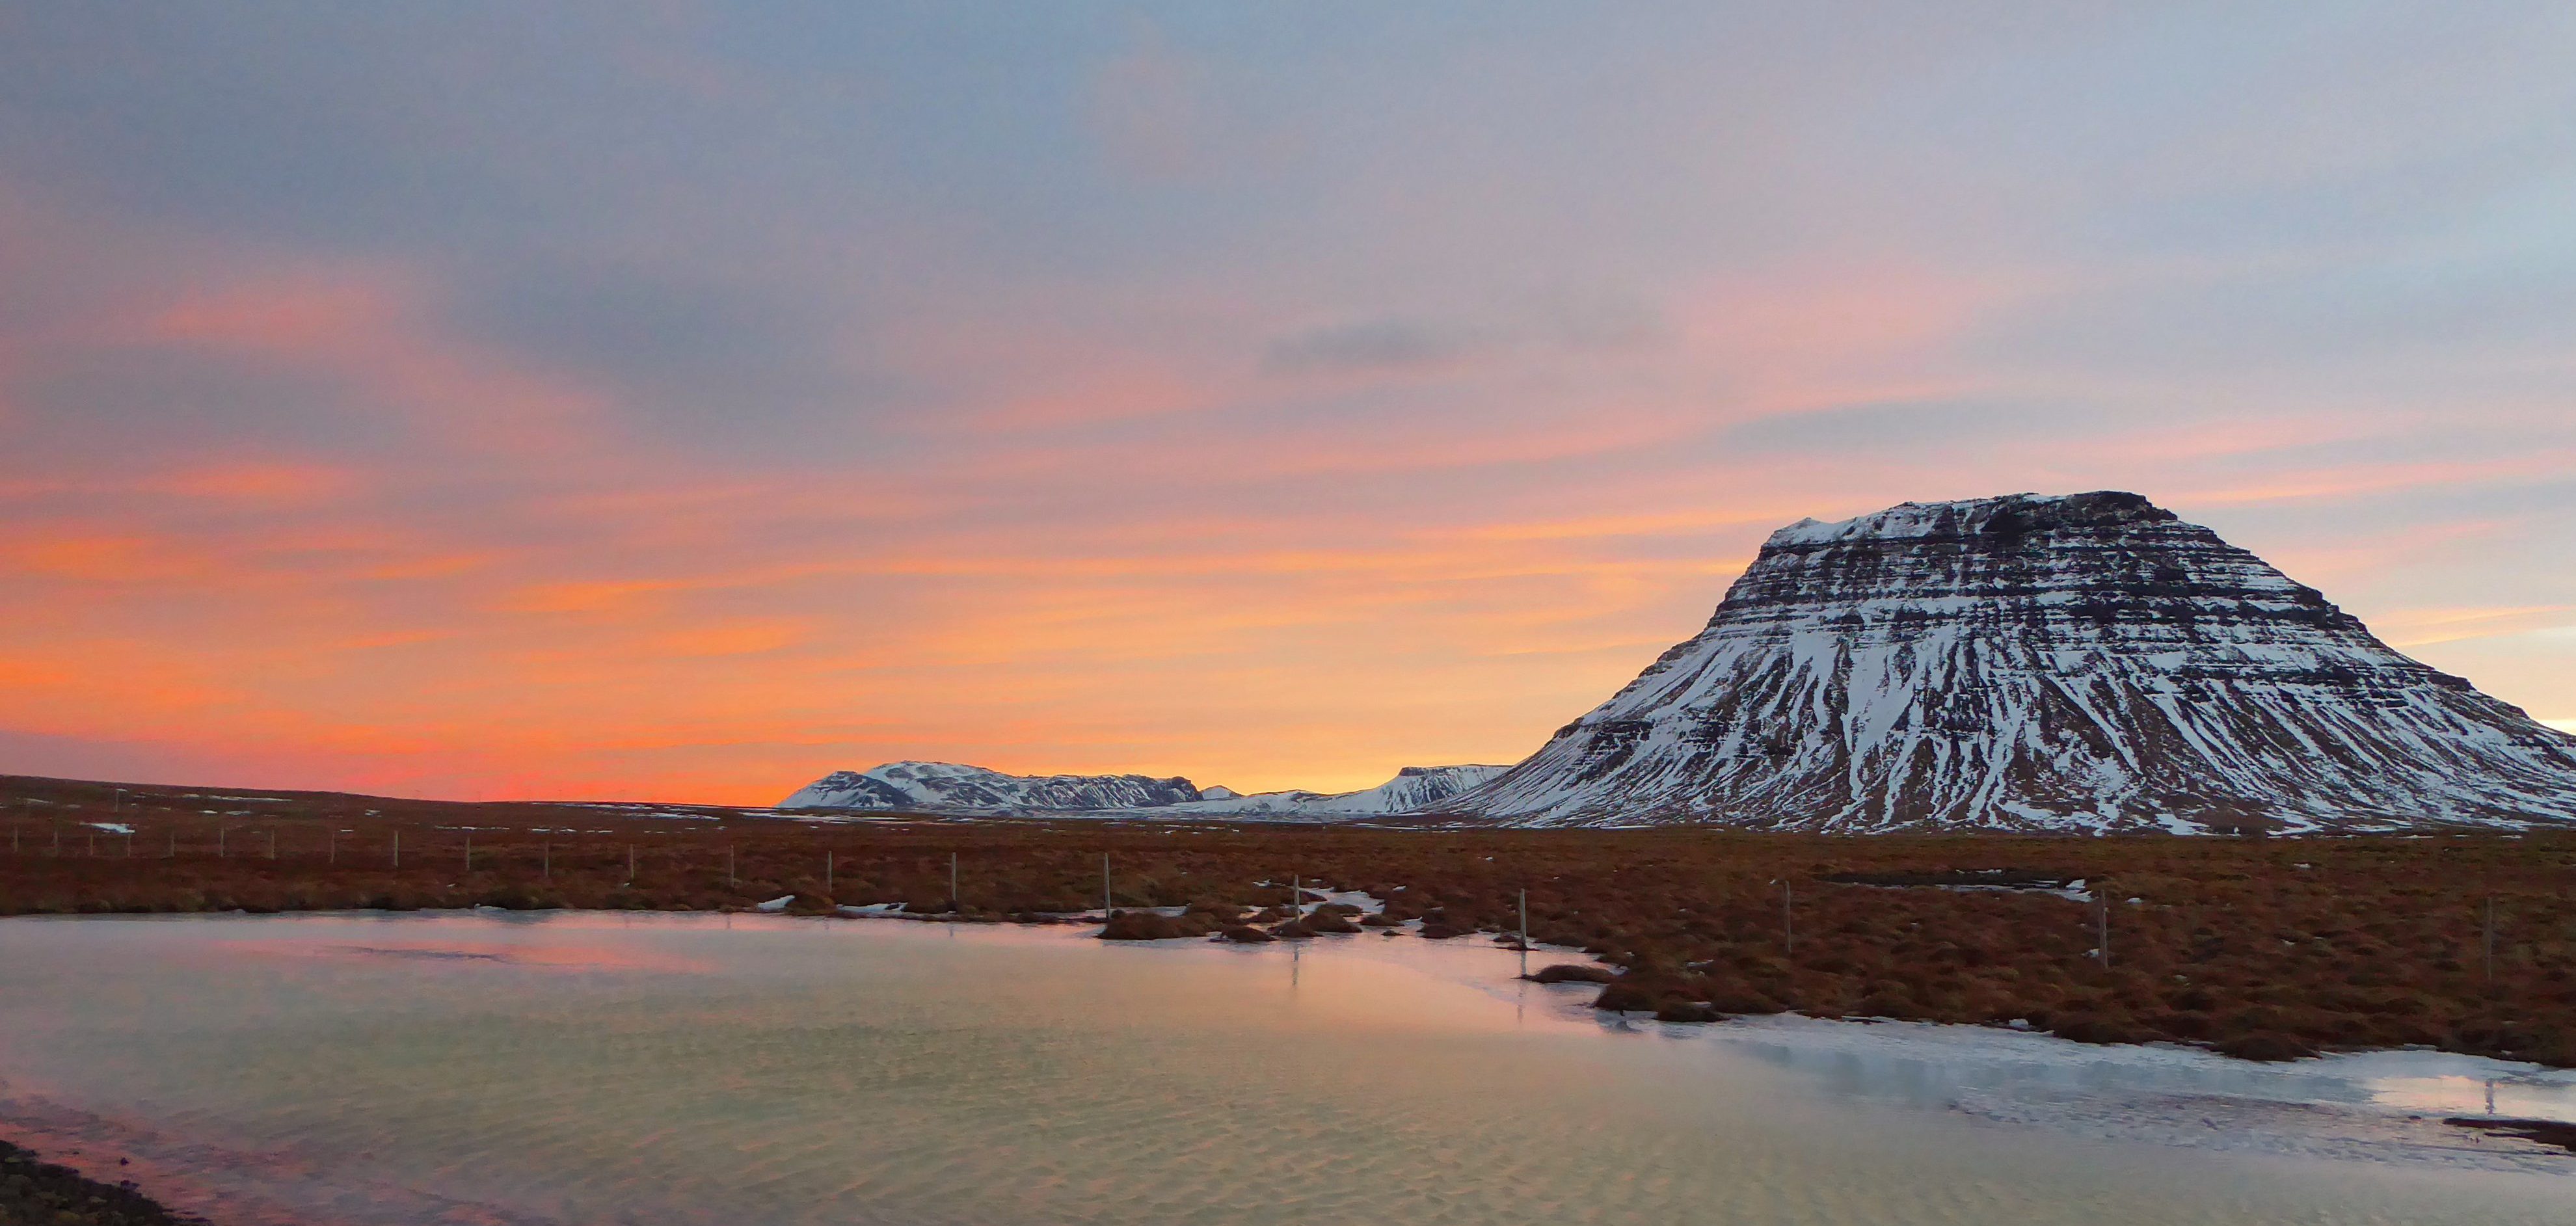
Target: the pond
(580, 1068)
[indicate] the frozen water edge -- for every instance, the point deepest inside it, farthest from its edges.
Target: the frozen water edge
(2378, 1107)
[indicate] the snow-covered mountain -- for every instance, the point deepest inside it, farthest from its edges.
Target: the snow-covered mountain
(941, 787)
(1415, 789)
(2079, 662)
(937, 787)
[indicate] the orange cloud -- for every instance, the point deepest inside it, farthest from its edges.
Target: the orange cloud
(274, 483)
(434, 566)
(739, 638)
(2343, 481)
(602, 596)
(1600, 526)
(293, 315)
(1811, 336)
(99, 558)
(2411, 628)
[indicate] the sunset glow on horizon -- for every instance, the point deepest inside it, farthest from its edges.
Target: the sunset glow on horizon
(679, 404)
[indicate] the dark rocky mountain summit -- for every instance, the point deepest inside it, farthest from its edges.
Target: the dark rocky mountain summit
(2082, 662)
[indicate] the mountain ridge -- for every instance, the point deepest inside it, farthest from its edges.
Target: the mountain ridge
(947, 787)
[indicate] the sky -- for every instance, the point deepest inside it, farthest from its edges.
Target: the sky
(680, 401)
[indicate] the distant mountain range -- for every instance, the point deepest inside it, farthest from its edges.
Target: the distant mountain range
(943, 787)
(2087, 662)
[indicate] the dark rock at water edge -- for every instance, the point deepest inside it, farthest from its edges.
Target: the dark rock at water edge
(1154, 926)
(2546, 1132)
(1572, 972)
(34, 1192)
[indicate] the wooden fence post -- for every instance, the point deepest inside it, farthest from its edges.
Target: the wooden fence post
(2490, 939)
(1788, 921)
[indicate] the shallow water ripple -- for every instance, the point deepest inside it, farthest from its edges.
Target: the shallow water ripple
(602, 1070)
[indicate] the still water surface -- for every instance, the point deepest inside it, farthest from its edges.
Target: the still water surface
(609, 1069)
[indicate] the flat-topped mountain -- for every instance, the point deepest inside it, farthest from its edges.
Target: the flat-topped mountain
(2082, 662)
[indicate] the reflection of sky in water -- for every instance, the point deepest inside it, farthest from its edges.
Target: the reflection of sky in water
(1931, 1066)
(704, 1069)
(2549, 1096)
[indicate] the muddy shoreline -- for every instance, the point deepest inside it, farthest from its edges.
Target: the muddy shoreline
(37, 1192)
